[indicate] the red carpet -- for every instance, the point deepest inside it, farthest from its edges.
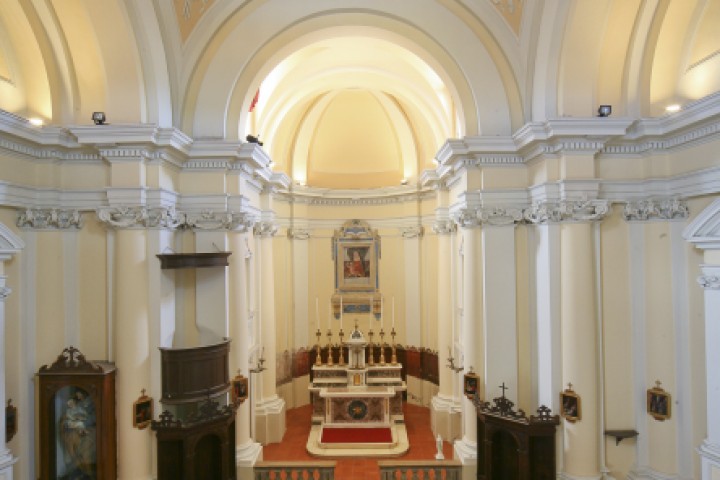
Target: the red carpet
(356, 435)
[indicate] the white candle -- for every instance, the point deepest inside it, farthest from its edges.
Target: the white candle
(393, 312)
(329, 315)
(341, 311)
(317, 312)
(382, 311)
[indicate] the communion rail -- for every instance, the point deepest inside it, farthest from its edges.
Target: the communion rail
(420, 470)
(316, 470)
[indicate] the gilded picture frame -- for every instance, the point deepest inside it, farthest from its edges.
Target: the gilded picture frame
(570, 405)
(659, 404)
(142, 411)
(471, 382)
(239, 390)
(356, 250)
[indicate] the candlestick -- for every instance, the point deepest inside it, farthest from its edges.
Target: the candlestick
(318, 359)
(382, 347)
(330, 359)
(371, 359)
(393, 358)
(341, 360)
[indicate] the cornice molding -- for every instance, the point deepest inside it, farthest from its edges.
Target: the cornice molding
(49, 219)
(656, 209)
(139, 217)
(326, 197)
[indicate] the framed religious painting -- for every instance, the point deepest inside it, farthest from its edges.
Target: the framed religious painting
(77, 418)
(570, 405)
(239, 389)
(658, 402)
(470, 384)
(142, 411)
(356, 249)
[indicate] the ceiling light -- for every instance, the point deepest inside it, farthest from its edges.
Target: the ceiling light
(672, 108)
(36, 121)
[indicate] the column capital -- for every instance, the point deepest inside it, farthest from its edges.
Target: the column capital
(710, 279)
(49, 219)
(413, 231)
(298, 233)
(209, 220)
(265, 229)
(5, 292)
(567, 211)
(495, 215)
(140, 217)
(444, 226)
(656, 209)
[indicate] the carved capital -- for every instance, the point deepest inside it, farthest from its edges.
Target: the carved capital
(656, 209)
(709, 282)
(567, 211)
(413, 231)
(208, 220)
(49, 218)
(444, 227)
(265, 229)
(140, 217)
(298, 233)
(467, 218)
(5, 292)
(500, 215)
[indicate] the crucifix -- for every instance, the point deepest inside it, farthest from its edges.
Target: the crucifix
(504, 388)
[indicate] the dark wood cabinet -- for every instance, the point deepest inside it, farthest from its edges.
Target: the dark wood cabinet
(77, 419)
(512, 446)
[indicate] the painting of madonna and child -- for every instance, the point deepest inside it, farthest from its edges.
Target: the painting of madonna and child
(356, 265)
(75, 420)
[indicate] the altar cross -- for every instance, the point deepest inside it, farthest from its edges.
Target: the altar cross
(503, 387)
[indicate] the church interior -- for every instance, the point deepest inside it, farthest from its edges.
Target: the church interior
(219, 216)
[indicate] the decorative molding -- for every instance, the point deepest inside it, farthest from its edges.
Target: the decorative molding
(49, 218)
(709, 282)
(298, 233)
(466, 218)
(412, 231)
(209, 220)
(497, 216)
(5, 292)
(656, 209)
(444, 227)
(265, 229)
(140, 217)
(567, 211)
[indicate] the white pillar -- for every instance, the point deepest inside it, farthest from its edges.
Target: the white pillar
(471, 335)
(269, 409)
(499, 311)
(710, 448)
(10, 244)
(443, 413)
(247, 452)
(211, 296)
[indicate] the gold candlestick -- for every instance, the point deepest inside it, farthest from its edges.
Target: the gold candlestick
(341, 360)
(393, 359)
(318, 358)
(371, 360)
(382, 346)
(329, 360)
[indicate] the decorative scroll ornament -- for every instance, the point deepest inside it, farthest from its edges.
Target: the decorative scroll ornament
(71, 360)
(49, 218)
(500, 215)
(265, 229)
(567, 211)
(164, 218)
(5, 292)
(467, 218)
(413, 231)
(444, 227)
(210, 410)
(710, 282)
(208, 220)
(656, 209)
(123, 217)
(298, 233)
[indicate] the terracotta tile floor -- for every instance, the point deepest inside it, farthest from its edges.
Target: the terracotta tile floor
(417, 423)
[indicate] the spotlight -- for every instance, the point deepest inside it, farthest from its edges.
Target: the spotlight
(98, 118)
(672, 108)
(38, 122)
(404, 181)
(604, 110)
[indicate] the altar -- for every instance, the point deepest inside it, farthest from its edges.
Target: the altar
(360, 399)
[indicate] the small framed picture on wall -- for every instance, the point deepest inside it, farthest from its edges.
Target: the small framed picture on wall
(658, 402)
(570, 405)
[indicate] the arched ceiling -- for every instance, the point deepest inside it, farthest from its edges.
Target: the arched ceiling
(353, 93)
